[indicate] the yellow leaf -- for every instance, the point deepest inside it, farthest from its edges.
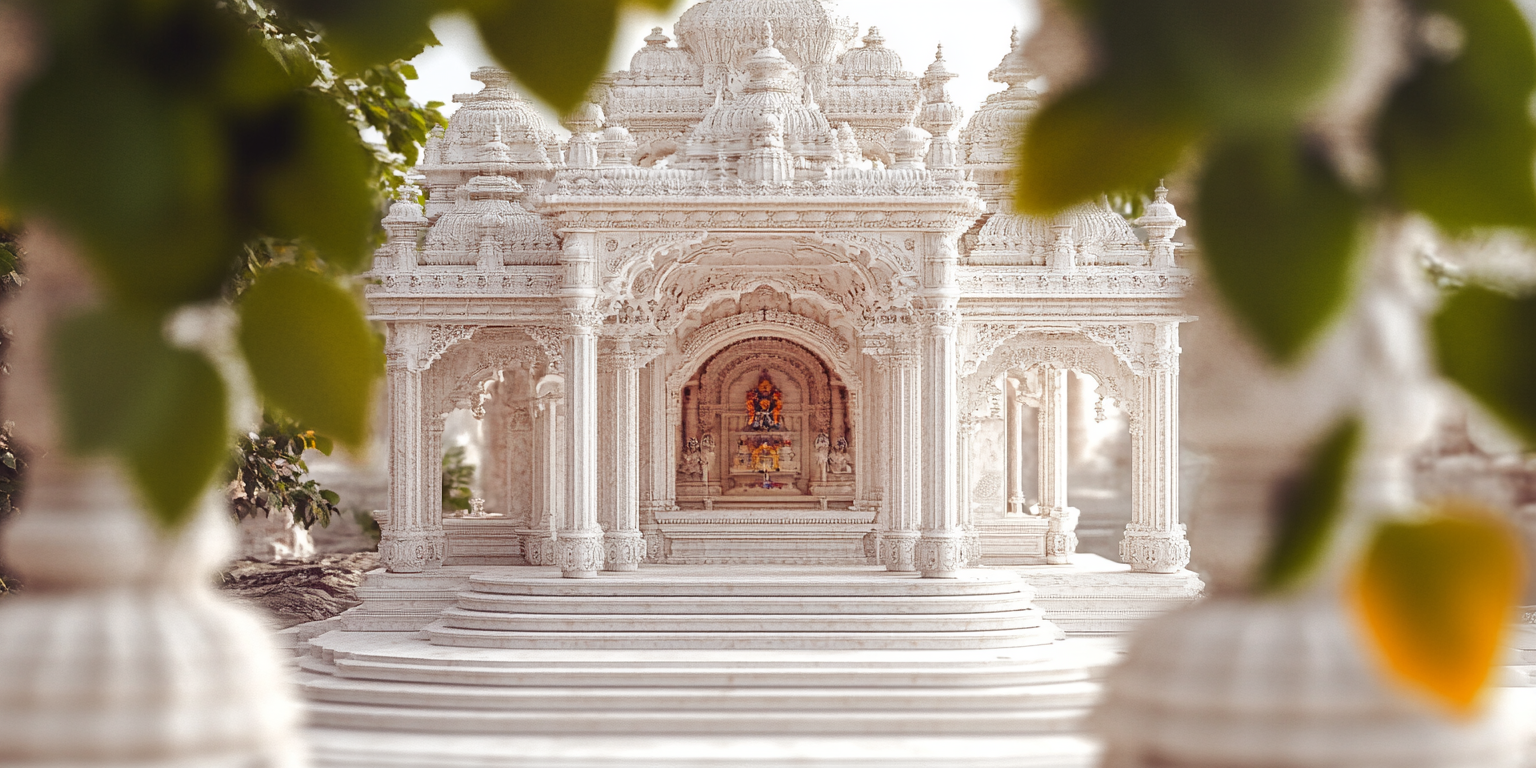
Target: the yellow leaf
(1435, 595)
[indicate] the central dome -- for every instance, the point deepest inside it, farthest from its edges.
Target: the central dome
(721, 34)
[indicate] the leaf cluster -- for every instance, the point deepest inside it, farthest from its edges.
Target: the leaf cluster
(1239, 92)
(458, 473)
(268, 472)
(198, 149)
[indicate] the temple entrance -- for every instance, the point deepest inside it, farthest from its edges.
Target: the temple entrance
(765, 424)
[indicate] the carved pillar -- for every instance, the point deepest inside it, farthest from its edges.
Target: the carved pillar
(1061, 537)
(940, 552)
(894, 348)
(968, 427)
(839, 424)
(412, 537)
(548, 473)
(619, 451)
(1154, 540)
(656, 465)
(579, 539)
(690, 412)
(1013, 401)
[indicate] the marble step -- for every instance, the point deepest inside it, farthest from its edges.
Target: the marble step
(338, 748)
(1019, 618)
(685, 582)
(905, 674)
(706, 702)
(1043, 634)
(651, 604)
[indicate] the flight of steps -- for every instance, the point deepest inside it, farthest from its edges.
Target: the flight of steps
(697, 666)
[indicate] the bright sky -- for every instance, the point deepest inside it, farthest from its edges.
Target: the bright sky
(974, 34)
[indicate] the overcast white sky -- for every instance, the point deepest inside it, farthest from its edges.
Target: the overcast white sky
(974, 34)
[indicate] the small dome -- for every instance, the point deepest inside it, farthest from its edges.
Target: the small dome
(992, 135)
(872, 60)
(660, 60)
(721, 34)
(487, 203)
(586, 118)
(1099, 236)
(496, 108)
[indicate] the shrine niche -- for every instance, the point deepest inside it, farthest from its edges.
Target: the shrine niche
(765, 419)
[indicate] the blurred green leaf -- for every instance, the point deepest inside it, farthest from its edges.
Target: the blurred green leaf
(311, 351)
(1308, 506)
(1456, 139)
(1437, 595)
(364, 33)
(124, 392)
(1279, 236)
(659, 6)
(1483, 342)
(1244, 65)
(555, 49)
(308, 176)
(1097, 140)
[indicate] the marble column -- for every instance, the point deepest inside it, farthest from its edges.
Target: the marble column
(1061, 537)
(579, 539)
(619, 453)
(411, 537)
(657, 468)
(548, 475)
(968, 427)
(903, 452)
(1154, 540)
(940, 551)
(1013, 399)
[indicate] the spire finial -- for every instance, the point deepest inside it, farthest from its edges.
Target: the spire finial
(939, 56)
(1013, 39)
(767, 34)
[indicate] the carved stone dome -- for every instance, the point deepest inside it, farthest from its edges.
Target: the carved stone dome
(1099, 236)
(487, 205)
(497, 107)
(658, 60)
(989, 138)
(873, 60)
(770, 90)
(721, 34)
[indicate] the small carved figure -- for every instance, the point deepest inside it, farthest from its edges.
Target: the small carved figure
(786, 452)
(823, 450)
(840, 463)
(692, 463)
(706, 456)
(765, 404)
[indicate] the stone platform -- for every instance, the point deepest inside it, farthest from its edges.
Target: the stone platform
(709, 666)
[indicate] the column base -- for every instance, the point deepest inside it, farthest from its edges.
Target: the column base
(656, 545)
(1154, 551)
(1061, 536)
(941, 555)
(539, 548)
(412, 551)
(579, 553)
(898, 551)
(623, 550)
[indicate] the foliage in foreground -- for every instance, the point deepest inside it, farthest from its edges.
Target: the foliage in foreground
(1289, 187)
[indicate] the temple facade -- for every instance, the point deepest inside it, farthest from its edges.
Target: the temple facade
(765, 305)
